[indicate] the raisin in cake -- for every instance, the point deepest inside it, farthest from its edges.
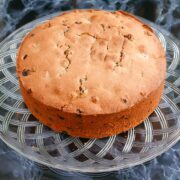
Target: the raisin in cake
(91, 73)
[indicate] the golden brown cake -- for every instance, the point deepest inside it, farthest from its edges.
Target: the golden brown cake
(91, 73)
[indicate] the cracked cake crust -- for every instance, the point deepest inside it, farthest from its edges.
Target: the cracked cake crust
(91, 73)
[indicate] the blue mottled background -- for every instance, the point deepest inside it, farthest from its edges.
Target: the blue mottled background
(15, 13)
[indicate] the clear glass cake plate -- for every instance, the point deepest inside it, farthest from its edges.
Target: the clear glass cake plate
(26, 135)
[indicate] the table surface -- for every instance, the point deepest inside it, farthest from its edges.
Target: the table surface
(15, 13)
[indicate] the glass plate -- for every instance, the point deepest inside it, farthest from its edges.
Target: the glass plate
(26, 135)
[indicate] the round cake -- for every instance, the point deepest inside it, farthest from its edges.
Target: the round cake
(91, 73)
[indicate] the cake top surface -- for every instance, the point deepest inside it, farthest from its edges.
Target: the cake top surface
(95, 62)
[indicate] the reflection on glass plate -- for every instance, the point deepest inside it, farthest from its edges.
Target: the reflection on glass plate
(26, 135)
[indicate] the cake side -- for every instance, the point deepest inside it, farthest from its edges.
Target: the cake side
(93, 126)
